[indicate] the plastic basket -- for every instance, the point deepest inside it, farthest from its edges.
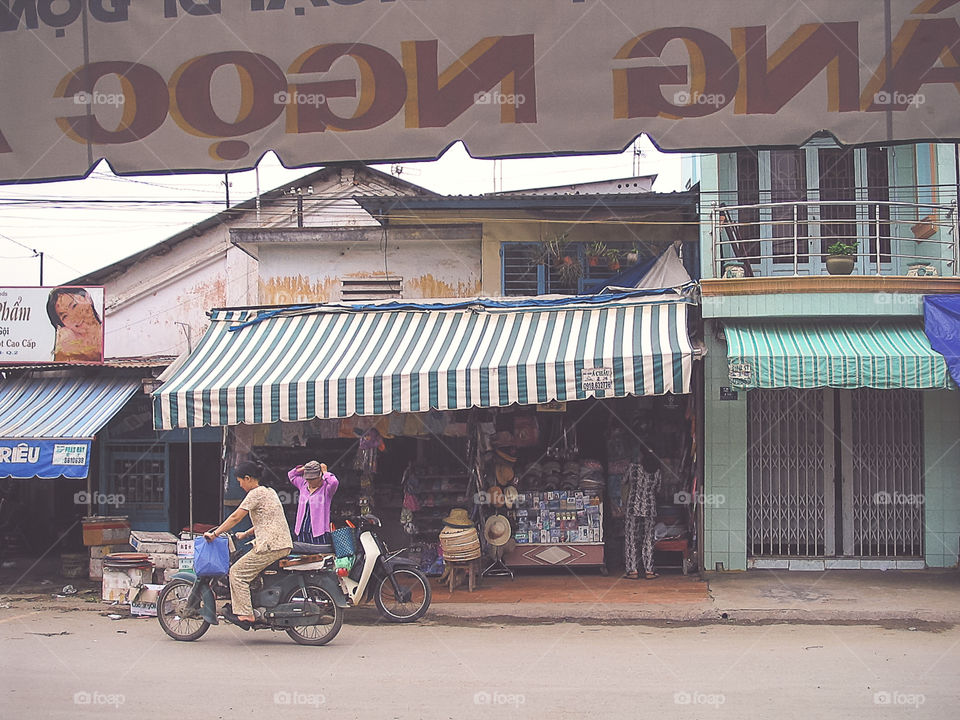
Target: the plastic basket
(344, 543)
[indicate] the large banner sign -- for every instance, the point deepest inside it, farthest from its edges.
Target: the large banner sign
(178, 85)
(44, 458)
(43, 325)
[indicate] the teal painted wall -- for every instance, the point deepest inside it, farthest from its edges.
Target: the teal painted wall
(941, 435)
(725, 463)
(797, 305)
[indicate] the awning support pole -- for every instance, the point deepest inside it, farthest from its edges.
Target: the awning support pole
(190, 474)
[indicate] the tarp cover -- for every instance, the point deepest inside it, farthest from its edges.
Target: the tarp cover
(941, 315)
(185, 85)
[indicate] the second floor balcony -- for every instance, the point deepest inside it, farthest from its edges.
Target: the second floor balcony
(793, 239)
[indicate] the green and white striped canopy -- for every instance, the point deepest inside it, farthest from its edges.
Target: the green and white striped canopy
(334, 363)
(804, 355)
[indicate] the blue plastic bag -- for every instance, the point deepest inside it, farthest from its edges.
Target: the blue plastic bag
(211, 558)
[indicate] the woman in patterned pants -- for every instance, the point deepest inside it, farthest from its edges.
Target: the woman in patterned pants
(641, 515)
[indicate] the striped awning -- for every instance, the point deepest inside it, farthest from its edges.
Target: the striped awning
(38, 407)
(851, 355)
(333, 362)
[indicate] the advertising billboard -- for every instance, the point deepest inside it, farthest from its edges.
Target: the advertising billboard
(61, 324)
(191, 85)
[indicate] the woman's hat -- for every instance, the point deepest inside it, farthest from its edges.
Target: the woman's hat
(496, 496)
(510, 494)
(505, 457)
(497, 530)
(311, 471)
(458, 518)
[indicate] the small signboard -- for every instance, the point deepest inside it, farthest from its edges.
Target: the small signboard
(596, 379)
(741, 372)
(51, 325)
(728, 393)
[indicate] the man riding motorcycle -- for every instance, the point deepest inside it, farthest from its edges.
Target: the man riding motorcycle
(271, 540)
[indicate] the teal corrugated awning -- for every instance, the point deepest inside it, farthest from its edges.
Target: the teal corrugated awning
(803, 355)
(61, 407)
(334, 362)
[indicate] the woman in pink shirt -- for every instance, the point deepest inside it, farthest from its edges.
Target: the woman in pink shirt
(317, 488)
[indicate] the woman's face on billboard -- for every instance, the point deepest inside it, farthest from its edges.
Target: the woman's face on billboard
(75, 311)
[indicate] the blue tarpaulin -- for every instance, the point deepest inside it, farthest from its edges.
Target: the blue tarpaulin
(942, 324)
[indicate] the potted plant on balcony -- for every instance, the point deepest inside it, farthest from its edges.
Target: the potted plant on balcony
(569, 270)
(596, 253)
(841, 257)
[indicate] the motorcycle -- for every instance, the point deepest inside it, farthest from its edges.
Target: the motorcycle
(303, 600)
(396, 584)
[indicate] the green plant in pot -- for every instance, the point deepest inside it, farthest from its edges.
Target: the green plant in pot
(596, 253)
(841, 257)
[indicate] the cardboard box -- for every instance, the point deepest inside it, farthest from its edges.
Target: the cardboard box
(117, 582)
(96, 568)
(164, 560)
(101, 530)
(143, 600)
(153, 542)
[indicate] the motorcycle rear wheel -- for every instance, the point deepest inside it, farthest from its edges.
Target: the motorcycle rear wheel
(331, 616)
(175, 619)
(417, 594)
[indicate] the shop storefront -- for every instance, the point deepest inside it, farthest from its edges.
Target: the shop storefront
(532, 409)
(839, 439)
(49, 431)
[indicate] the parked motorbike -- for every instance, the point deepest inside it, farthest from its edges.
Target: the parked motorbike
(396, 584)
(305, 601)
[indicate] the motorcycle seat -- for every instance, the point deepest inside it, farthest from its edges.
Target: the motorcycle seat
(302, 548)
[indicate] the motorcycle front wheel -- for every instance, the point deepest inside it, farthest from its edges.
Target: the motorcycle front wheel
(178, 620)
(331, 616)
(412, 601)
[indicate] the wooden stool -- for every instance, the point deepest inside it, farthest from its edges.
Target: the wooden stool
(454, 573)
(679, 545)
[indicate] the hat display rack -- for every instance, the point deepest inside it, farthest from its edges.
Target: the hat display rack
(493, 451)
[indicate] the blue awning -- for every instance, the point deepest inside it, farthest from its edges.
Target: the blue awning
(941, 314)
(46, 423)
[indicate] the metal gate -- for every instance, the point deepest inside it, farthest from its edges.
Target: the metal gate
(834, 473)
(790, 476)
(882, 473)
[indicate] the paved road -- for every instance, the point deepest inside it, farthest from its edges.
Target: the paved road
(60, 663)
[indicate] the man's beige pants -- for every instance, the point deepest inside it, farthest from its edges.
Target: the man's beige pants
(244, 571)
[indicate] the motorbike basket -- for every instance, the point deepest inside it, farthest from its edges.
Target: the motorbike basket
(344, 542)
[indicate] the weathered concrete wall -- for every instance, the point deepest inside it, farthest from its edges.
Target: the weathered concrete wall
(432, 262)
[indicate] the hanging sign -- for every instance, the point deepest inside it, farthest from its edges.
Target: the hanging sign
(206, 85)
(43, 324)
(741, 373)
(596, 379)
(44, 458)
